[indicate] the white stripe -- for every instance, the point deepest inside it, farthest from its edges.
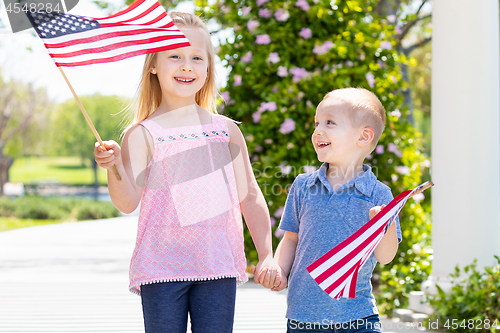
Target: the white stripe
(149, 17)
(116, 52)
(338, 274)
(101, 31)
(105, 42)
(351, 246)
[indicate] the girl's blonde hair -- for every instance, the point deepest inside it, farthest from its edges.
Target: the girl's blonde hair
(148, 96)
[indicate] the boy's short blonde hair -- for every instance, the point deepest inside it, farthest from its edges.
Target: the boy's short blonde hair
(366, 109)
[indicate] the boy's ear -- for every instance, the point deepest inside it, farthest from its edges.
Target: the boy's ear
(366, 137)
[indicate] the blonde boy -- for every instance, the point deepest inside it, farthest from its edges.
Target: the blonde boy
(325, 207)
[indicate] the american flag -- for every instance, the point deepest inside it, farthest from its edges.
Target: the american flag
(72, 40)
(336, 272)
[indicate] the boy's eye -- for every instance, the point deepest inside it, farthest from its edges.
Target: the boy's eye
(316, 124)
(330, 122)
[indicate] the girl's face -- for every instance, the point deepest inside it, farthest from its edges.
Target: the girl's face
(182, 72)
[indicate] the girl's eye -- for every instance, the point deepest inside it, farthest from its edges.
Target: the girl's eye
(175, 56)
(330, 122)
(197, 58)
(316, 124)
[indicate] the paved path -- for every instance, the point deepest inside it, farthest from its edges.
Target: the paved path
(73, 278)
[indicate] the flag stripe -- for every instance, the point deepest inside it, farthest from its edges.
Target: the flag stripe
(128, 12)
(105, 47)
(119, 57)
(337, 271)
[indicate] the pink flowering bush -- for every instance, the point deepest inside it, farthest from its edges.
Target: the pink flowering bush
(293, 53)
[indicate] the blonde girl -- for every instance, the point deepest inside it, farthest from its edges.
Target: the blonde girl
(189, 168)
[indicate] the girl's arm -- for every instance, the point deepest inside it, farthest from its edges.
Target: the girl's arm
(131, 161)
(253, 206)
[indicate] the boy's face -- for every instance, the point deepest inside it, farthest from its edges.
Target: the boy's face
(334, 138)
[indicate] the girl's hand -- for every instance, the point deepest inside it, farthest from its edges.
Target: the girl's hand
(281, 281)
(106, 159)
(267, 273)
(375, 210)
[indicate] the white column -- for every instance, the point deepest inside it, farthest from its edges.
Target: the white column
(465, 135)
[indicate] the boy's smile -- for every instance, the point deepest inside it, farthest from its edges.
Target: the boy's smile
(334, 138)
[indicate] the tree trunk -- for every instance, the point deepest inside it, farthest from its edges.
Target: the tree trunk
(408, 100)
(5, 164)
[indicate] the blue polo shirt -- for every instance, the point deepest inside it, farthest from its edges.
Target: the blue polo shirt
(323, 219)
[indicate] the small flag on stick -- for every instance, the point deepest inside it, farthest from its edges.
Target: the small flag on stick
(143, 27)
(336, 272)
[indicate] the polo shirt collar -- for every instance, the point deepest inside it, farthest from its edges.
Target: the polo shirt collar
(364, 183)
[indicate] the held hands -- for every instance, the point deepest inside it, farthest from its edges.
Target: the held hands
(375, 210)
(269, 275)
(106, 159)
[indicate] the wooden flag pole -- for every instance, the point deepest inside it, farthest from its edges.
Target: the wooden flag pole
(424, 187)
(89, 121)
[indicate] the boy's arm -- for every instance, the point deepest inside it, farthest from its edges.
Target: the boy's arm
(388, 246)
(285, 255)
(253, 206)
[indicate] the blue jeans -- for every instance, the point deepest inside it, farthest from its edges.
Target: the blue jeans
(210, 305)
(369, 324)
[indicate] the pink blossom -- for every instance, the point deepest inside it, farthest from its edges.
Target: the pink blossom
(324, 48)
(264, 12)
(349, 63)
(398, 30)
(285, 169)
(298, 73)
(279, 233)
(306, 33)
(398, 153)
(247, 57)
(309, 168)
(392, 147)
(246, 10)
(225, 9)
(369, 156)
(379, 149)
(278, 212)
(393, 79)
(268, 106)
(287, 126)
(381, 63)
(282, 71)
(396, 113)
(371, 79)
(302, 4)
(258, 148)
(274, 57)
(274, 90)
(225, 96)
(261, 2)
(237, 80)
(403, 169)
(256, 116)
(391, 18)
(281, 15)
(394, 178)
(386, 45)
(273, 221)
(252, 24)
(263, 39)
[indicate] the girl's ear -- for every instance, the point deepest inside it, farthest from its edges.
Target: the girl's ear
(366, 137)
(153, 70)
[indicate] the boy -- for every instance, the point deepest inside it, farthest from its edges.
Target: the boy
(325, 207)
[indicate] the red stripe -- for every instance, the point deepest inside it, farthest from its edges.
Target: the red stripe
(142, 14)
(122, 56)
(119, 24)
(352, 290)
(365, 227)
(111, 47)
(134, 5)
(345, 260)
(104, 36)
(335, 284)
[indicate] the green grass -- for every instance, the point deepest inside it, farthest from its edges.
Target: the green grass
(65, 170)
(11, 223)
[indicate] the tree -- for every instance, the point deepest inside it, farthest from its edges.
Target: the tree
(73, 137)
(22, 119)
(284, 57)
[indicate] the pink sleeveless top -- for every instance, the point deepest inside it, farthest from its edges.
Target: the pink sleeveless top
(190, 225)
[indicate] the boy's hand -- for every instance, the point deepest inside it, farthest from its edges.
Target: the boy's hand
(266, 273)
(106, 159)
(281, 281)
(375, 210)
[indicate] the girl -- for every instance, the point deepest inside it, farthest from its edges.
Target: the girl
(190, 169)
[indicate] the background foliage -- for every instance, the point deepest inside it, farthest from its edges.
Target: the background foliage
(284, 57)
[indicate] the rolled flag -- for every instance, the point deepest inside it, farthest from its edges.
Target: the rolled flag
(336, 272)
(143, 27)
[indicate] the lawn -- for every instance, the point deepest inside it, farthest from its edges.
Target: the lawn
(65, 170)
(10, 223)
